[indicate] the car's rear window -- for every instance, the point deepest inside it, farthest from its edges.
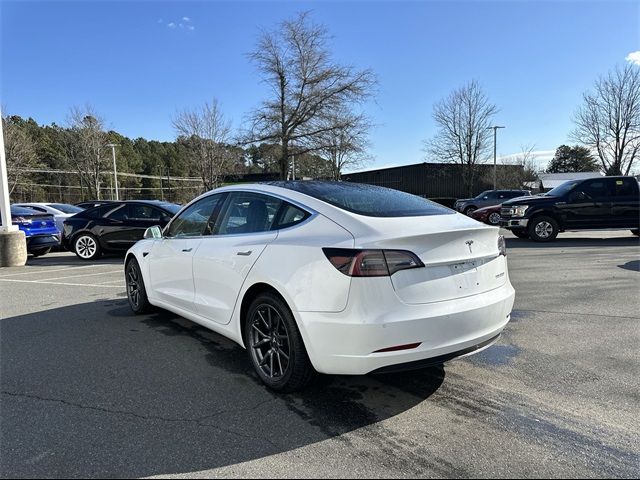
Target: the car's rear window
(64, 208)
(369, 200)
(22, 211)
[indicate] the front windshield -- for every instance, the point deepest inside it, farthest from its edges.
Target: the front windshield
(562, 189)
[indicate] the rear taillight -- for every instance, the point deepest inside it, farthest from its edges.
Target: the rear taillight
(371, 263)
(502, 245)
(21, 220)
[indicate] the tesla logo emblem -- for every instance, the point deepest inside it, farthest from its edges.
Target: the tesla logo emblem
(469, 243)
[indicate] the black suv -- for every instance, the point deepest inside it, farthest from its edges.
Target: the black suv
(487, 199)
(596, 203)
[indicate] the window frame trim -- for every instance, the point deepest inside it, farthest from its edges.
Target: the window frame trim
(312, 214)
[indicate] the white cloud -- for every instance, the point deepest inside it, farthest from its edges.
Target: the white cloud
(634, 57)
(159, 20)
(171, 25)
(186, 19)
(191, 27)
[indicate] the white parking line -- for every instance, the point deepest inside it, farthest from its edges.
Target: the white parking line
(44, 270)
(60, 283)
(76, 276)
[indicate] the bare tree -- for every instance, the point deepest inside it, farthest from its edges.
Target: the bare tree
(462, 119)
(519, 171)
(307, 87)
(20, 152)
(206, 132)
(609, 119)
(85, 142)
(346, 145)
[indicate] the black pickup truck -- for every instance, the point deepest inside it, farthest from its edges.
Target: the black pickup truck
(596, 203)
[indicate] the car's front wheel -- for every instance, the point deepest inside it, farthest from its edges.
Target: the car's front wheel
(136, 291)
(469, 210)
(87, 247)
(543, 229)
(275, 345)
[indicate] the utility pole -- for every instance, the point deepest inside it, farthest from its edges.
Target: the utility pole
(495, 165)
(115, 169)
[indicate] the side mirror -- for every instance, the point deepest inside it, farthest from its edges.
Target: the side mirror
(153, 232)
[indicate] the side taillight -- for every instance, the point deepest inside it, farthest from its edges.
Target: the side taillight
(502, 245)
(371, 263)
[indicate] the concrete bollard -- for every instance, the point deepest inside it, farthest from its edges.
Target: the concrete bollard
(13, 249)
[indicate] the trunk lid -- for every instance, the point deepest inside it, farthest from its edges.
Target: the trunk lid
(460, 255)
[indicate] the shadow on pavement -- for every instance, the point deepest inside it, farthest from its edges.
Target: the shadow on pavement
(69, 259)
(91, 390)
(569, 242)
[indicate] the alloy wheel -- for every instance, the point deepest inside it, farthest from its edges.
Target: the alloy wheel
(86, 247)
(270, 344)
(544, 229)
(494, 218)
(133, 285)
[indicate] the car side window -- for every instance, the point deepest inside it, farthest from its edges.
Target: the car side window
(595, 188)
(119, 214)
(289, 216)
(38, 209)
(144, 213)
(624, 187)
(196, 220)
(248, 212)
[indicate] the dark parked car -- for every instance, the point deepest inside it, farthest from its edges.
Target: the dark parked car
(40, 229)
(487, 199)
(114, 227)
(595, 203)
(489, 215)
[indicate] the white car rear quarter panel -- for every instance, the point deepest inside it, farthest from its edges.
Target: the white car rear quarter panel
(295, 265)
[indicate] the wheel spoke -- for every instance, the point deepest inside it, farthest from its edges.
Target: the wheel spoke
(280, 363)
(262, 342)
(255, 327)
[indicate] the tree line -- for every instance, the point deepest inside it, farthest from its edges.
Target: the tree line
(313, 117)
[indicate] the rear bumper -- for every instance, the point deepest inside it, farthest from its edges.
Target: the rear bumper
(344, 343)
(38, 242)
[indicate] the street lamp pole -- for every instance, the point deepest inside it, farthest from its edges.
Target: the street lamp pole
(115, 169)
(495, 165)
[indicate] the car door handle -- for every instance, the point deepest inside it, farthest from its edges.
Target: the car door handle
(187, 249)
(245, 254)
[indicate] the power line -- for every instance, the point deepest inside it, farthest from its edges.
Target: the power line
(107, 172)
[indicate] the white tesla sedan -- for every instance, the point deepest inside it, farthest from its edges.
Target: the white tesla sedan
(332, 277)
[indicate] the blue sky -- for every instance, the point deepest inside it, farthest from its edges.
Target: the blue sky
(534, 59)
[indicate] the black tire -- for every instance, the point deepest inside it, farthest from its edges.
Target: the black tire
(87, 247)
(469, 210)
(520, 233)
(40, 252)
(136, 291)
(494, 219)
(636, 232)
(543, 229)
(274, 344)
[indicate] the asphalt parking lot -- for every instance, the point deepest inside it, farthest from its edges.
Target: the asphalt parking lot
(89, 390)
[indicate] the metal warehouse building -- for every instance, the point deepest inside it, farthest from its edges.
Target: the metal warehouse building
(438, 181)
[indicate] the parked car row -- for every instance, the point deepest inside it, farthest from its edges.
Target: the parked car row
(90, 228)
(590, 204)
